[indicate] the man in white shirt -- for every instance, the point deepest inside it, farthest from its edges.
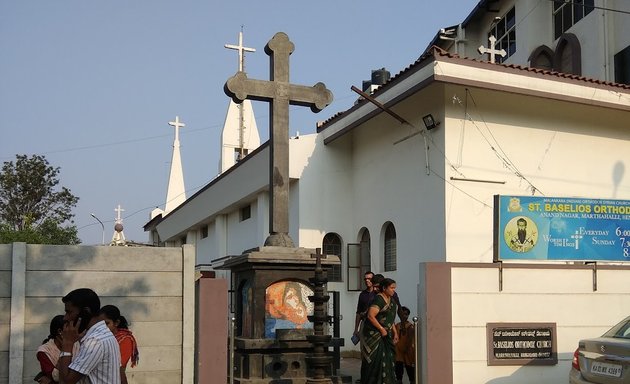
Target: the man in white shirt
(98, 359)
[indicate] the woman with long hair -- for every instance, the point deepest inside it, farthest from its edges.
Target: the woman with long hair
(378, 347)
(126, 341)
(48, 352)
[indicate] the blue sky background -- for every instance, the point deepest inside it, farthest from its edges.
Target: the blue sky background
(92, 85)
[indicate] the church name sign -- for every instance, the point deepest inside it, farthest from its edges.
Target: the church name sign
(521, 343)
(555, 228)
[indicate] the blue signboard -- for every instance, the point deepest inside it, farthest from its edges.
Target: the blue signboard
(554, 228)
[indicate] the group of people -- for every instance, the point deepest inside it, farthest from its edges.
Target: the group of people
(89, 344)
(387, 348)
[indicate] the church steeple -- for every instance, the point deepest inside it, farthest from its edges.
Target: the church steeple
(176, 191)
(240, 132)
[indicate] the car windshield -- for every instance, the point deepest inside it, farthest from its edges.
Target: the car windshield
(621, 330)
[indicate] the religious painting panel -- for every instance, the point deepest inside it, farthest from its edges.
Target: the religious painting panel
(287, 307)
(247, 300)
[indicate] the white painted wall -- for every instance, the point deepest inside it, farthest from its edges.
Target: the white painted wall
(241, 234)
(561, 296)
(563, 149)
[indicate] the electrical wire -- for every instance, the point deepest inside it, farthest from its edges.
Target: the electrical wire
(259, 118)
(458, 188)
(502, 155)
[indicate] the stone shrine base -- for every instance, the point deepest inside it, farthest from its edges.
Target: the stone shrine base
(276, 361)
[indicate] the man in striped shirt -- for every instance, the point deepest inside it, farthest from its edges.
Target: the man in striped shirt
(98, 359)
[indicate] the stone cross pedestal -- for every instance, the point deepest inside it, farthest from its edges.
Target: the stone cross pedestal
(281, 332)
(280, 94)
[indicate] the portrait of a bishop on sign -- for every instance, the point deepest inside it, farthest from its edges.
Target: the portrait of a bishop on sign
(521, 234)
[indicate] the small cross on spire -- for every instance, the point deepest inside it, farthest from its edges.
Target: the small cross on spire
(241, 50)
(177, 126)
(119, 210)
(492, 51)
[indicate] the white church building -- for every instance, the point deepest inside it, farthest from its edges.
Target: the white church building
(394, 193)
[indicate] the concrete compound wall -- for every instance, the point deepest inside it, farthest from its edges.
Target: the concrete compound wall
(153, 287)
(457, 300)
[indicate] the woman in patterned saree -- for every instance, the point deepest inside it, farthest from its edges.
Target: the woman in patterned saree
(378, 347)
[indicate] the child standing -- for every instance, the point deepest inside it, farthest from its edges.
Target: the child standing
(405, 348)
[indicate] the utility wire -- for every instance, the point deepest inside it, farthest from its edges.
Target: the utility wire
(502, 155)
(259, 119)
(102, 145)
(458, 188)
(146, 208)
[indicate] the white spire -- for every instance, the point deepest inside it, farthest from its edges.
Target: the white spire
(176, 191)
(240, 132)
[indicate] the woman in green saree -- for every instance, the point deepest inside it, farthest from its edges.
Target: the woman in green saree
(378, 344)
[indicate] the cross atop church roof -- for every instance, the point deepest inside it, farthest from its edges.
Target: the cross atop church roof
(118, 211)
(241, 50)
(177, 124)
(492, 51)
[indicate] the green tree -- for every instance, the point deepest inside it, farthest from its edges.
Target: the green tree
(32, 209)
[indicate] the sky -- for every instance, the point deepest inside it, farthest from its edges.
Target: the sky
(92, 85)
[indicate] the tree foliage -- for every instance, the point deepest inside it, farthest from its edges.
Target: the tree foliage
(32, 208)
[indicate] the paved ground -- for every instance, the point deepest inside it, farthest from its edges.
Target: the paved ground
(352, 367)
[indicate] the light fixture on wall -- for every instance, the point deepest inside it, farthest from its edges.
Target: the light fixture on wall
(429, 122)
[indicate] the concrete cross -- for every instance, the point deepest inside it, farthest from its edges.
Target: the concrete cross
(119, 210)
(241, 50)
(177, 126)
(492, 51)
(280, 94)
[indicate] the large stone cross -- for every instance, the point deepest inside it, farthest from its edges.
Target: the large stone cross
(280, 94)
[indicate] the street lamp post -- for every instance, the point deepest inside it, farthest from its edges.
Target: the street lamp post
(102, 226)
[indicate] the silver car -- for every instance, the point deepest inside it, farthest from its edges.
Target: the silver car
(605, 359)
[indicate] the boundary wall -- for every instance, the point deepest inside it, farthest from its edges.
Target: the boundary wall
(457, 300)
(153, 287)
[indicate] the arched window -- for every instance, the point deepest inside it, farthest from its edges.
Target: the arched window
(389, 243)
(568, 56)
(331, 245)
(541, 57)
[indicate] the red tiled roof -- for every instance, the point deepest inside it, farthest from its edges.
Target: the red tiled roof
(436, 51)
(440, 52)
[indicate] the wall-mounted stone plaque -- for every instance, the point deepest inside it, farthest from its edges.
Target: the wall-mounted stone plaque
(521, 343)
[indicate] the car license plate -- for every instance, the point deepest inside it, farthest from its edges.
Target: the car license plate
(606, 369)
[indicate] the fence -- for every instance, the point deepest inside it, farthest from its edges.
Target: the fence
(153, 287)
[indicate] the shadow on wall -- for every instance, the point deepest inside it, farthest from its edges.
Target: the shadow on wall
(539, 374)
(619, 169)
(144, 282)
